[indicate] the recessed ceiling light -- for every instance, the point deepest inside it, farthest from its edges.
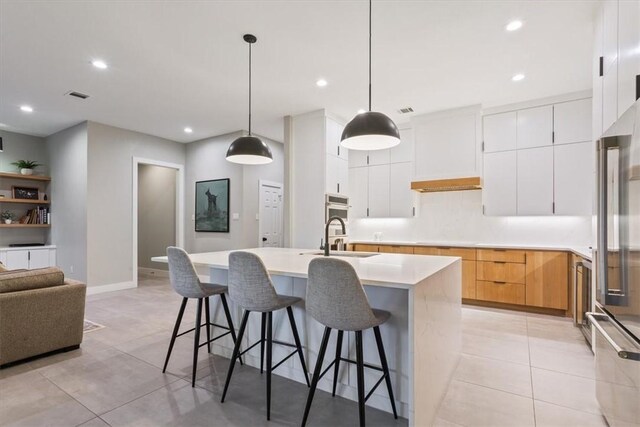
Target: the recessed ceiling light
(321, 83)
(360, 111)
(99, 64)
(26, 109)
(188, 130)
(517, 77)
(514, 25)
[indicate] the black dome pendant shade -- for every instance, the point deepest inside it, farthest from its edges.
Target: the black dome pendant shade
(370, 130)
(249, 150)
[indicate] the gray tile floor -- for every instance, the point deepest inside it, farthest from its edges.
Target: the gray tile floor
(516, 370)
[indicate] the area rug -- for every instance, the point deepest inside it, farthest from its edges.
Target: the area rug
(90, 326)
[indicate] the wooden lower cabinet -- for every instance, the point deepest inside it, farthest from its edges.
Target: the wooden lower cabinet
(509, 293)
(547, 279)
(501, 272)
(360, 247)
(468, 279)
(396, 249)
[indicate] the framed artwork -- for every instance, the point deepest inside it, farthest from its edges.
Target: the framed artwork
(27, 193)
(212, 206)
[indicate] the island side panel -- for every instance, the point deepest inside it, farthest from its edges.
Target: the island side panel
(434, 340)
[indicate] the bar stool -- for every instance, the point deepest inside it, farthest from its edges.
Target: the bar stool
(186, 283)
(336, 299)
(251, 288)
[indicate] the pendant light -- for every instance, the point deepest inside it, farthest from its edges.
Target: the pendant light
(249, 150)
(370, 130)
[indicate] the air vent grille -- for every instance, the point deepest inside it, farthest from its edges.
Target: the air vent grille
(77, 94)
(405, 110)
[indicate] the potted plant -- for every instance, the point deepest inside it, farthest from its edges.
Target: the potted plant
(26, 166)
(7, 217)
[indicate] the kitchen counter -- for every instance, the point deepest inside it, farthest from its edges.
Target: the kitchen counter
(582, 251)
(422, 337)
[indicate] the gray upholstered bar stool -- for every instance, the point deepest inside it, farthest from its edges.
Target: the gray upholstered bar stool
(336, 299)
(186, 283)
(251, 288)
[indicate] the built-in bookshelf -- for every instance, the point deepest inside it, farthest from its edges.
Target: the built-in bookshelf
(34, 213)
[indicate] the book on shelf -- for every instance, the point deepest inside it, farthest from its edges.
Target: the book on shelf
(39, 215)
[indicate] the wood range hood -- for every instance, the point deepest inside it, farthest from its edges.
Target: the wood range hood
(451, 184)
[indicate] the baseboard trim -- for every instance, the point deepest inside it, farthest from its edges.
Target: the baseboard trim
(111, 287)
(153, 272)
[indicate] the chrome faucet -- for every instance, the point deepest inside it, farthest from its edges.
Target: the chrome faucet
(326, 233)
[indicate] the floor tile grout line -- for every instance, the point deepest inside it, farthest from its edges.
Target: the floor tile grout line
(533, 400)
(492, 388)
(70, 396)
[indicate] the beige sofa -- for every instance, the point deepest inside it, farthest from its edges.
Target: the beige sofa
(40, 312)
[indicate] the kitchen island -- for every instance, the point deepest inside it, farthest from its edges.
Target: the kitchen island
(422, 338)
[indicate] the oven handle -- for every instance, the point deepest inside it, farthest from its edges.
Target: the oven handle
(594, 318)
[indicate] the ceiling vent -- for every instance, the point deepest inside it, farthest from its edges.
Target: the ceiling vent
(405, 110)
(77, 94)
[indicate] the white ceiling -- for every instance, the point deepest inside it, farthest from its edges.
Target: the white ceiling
(184, 63)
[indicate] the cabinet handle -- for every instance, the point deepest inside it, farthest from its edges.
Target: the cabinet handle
(500, 283)
(499, 262)
(338, 187)
(338, 150)
(601, 66)
(28, 255)
(637, 86)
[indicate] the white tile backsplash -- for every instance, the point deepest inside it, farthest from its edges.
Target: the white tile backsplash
(457, 217)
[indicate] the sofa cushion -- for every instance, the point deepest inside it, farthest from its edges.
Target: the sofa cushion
(23, 280)
(3, 267)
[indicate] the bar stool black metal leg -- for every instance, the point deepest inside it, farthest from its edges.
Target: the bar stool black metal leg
(316, 373)
(385, 368)
(296, 338)
(360, 371)
(176, 328)
(269, 360)
(196, 342)
(337, 361)
(236, 351)
(227, 314)
(207, 317)
(262, 340)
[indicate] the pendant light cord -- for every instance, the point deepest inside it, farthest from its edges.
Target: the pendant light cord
(249, 89)
(369, 55)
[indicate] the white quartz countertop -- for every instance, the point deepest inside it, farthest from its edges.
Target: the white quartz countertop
(380, 269)
(22, 248)
(582, 251)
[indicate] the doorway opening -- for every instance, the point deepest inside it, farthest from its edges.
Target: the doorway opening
(271, 220)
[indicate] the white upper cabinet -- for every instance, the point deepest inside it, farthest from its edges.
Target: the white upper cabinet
(499, 189)
(535, 181)
(610, 96)
(597, 80)
(332, 174)
(572, 121)
(333, 135)
(628, 53)
(500, 132)
(343, 176)
(535, 127)
(403, 152)
(447, 144)
(378, 157)
(400, 193)
(574, 170)
(359, 192)
(610, 33)
(358, 158)
(378, 191)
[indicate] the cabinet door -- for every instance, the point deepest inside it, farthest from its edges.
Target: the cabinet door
(610, 96)
(499, 192)
(535, 127)
(400, 193)
(17, 260)
(628, 54)
(343, 176)
(359, 192)
(358, 158)
(39, 258)
(572, 121)
(573, 171)
(597, 78)
(333, 132)
(499, 132)
(610, 33)
(403, 152)
(378, 157)
(331, 181)
(547, 281)
(535, 181)
(379, 191)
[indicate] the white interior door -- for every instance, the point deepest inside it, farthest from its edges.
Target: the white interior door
(270, 215)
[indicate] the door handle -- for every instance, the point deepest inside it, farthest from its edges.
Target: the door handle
(264, 239)
(595, 318)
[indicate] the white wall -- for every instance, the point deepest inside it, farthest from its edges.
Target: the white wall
(109, 197)
(67, 152)
(156, 213)
(456, 216)
(206, 161)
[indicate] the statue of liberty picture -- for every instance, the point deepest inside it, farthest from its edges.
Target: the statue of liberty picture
(212, 205)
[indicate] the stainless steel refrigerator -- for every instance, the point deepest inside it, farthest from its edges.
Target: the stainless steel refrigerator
(616, 317)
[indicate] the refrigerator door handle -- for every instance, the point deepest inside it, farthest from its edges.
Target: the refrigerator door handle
(595, 319)
(575, 291)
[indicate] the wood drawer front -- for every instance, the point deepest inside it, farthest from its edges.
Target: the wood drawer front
(426, 250)
(396, 249)
(510, 293)
(359, 247)
(468, 279)
(464, 253)
(501, 272)
(501, 255)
